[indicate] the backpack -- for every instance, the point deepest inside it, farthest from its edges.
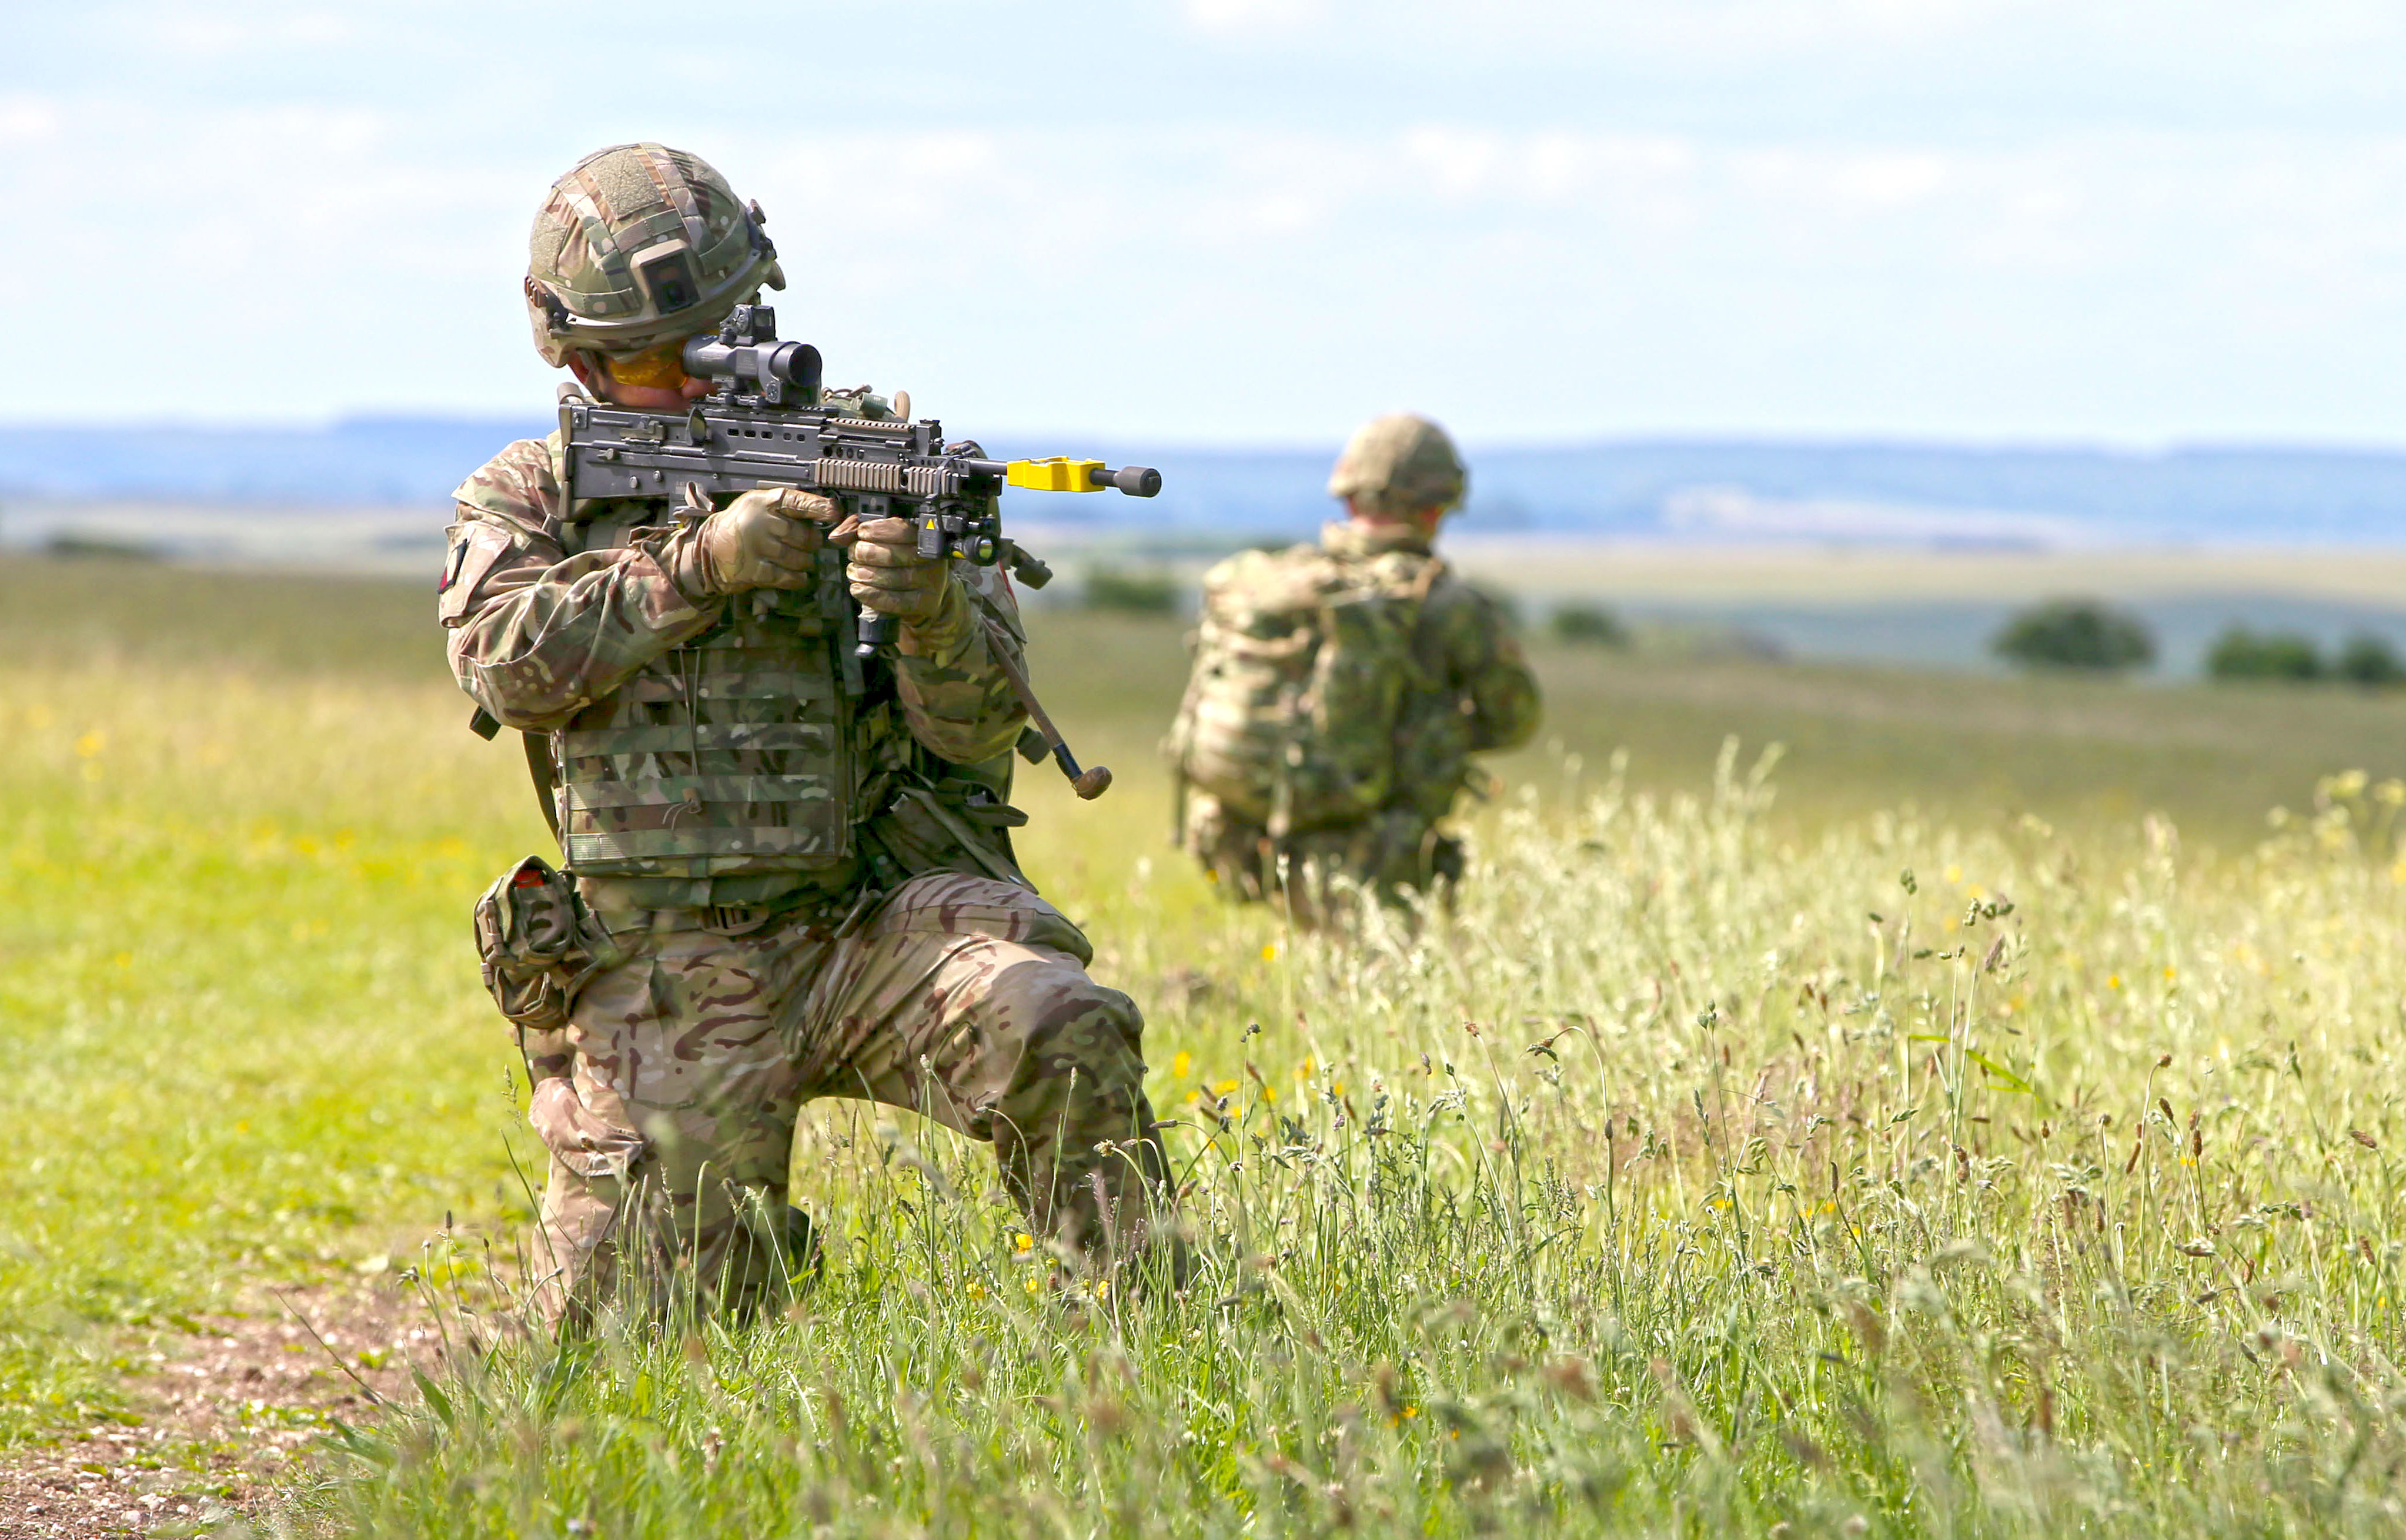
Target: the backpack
(1303, 668)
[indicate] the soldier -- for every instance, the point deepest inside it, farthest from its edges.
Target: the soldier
(774, 889)
(1339, 690)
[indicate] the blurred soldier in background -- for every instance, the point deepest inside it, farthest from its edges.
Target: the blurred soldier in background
(1340, 689)
(777, 885)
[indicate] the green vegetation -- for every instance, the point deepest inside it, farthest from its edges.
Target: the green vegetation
(1587, 624)
(1124, 591)
(1944, 1146)
(1688, 1178)
(2076, 633)
(2239, 652)
(2368, 660)
(228, 903)
(2292, 657)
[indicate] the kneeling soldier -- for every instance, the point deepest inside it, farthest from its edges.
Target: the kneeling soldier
(777, 885)
(1339, 690)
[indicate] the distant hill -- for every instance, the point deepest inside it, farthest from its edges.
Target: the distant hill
(1699, 489)
(361, 461)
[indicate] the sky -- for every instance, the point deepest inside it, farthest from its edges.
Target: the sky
(1258, 221)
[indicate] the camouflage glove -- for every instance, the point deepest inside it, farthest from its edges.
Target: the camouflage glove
(584, 1143)
(889, 575)
(765, 539)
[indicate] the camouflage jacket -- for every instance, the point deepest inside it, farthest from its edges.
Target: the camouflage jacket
(1485, 697)
(537, 635)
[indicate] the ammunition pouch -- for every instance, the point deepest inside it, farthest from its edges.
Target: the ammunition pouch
(537, 944)
(951, 825)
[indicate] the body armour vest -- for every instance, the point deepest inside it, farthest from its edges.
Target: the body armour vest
(742, 750)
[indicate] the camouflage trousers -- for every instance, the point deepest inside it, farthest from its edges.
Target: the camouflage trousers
(963, 997)
(1314, 875)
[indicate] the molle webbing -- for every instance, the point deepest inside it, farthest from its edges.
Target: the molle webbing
(733, 753)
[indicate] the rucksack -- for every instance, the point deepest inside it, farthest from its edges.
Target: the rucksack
(1303, 668)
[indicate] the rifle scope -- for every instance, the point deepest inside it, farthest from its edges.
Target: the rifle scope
(772, 365)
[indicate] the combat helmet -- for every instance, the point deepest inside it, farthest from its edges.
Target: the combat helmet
(1399, 464)
(640, 245)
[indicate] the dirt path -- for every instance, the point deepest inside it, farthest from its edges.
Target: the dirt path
(223, 1414)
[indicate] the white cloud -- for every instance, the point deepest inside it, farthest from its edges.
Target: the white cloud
(1531, 219)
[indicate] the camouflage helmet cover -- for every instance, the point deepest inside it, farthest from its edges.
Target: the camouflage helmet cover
(1399, 464)
(639, 245)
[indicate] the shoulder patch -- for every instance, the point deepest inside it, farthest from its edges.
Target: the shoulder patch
(477, 545)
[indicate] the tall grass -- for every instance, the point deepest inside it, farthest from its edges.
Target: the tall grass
(1685, 1179)
(1697, 1173)
(244, 1036)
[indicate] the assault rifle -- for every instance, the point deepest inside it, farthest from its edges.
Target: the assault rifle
(762, 425)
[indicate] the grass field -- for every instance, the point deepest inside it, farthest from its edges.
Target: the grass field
(1939, 1146)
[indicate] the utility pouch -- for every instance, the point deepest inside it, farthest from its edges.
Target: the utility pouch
(538, 944)
(950, 827)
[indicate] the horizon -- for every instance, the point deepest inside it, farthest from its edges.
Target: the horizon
(1570, 441)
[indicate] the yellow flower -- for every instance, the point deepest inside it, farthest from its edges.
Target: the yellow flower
(2170, 973)
(90, 743)
(1023, 1242)
(1269, 950)
(1224, 1088)
(977, 1290)
(2113, 981)
(1303, 1071)
(1180, 1065)
(1269, 1093)
(1953, 874)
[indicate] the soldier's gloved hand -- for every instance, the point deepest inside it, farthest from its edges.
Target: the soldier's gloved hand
(767, 538)
(585, 1144)
(889, 575)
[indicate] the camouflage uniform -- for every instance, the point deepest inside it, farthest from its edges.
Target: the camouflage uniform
(868, 937)
(1454, 685)
(1487, 700)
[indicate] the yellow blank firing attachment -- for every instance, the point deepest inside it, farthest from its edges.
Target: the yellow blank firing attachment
(1059, 473)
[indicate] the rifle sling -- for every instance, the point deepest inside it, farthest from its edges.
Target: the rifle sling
(538, 759)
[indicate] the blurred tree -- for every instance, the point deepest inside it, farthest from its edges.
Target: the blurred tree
(1131, 592)
(1589, 626)
(2239, 652)
(2074, 633)
(2370, 660)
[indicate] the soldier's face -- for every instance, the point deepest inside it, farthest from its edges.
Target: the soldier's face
(1423, 519)
(652, 380)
